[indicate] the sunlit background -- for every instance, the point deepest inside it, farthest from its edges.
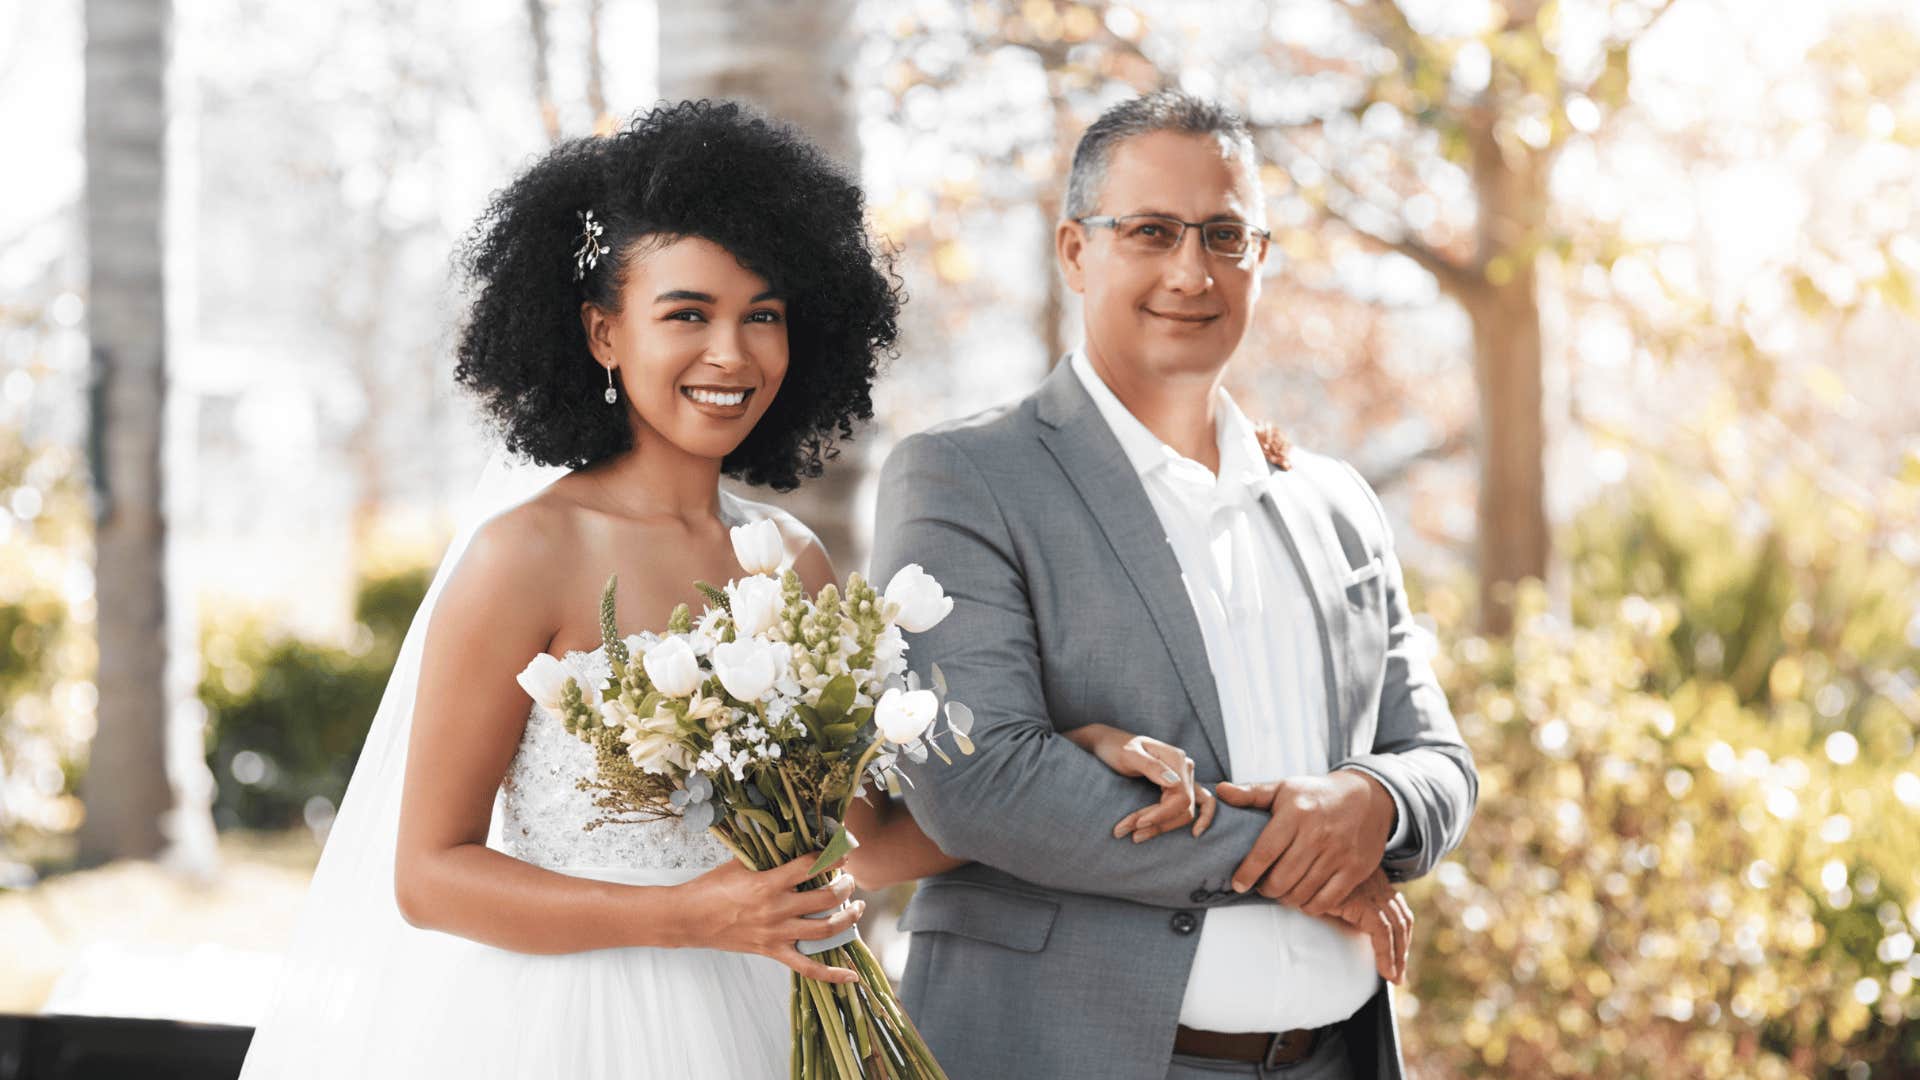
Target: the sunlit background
(1614, 301)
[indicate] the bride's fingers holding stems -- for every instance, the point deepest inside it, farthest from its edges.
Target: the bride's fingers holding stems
(835, 892)
(763, 912)
(806, 965)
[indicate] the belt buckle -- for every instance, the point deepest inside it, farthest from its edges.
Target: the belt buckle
(1288, 1048)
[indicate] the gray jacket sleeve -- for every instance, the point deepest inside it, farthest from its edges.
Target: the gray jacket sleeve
(1027, 801)
(1417, 750)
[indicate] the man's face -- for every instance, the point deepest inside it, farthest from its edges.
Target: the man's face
(1156, 314)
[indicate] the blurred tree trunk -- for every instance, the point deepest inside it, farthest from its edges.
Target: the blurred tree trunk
(1514, 542)
(788, 60)
(126, 790)
(542, 78)
(1498, 135)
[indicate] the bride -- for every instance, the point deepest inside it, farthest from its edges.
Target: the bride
(693, 295)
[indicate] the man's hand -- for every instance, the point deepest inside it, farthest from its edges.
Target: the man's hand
(1378, 910)
(1328, 833)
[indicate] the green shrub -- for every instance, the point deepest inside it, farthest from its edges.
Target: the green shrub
(286, 717)
(47, 655)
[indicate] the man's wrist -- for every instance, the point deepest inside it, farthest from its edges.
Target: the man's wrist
(1383, 810)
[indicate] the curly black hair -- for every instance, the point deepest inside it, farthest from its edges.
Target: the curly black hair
(714, 170)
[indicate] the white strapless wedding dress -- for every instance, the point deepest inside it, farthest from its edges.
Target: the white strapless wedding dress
(449, 1008)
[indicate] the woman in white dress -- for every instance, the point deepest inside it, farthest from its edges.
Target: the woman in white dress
(691, 296)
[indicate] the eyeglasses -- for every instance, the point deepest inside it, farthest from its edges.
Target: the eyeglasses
(1151, 234)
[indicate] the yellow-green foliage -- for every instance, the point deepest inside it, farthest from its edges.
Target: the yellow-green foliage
(47, 653)
(1681, 867)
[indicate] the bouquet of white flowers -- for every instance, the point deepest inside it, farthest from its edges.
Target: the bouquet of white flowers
(759, 720)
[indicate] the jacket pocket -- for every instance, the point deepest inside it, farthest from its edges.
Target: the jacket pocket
(1363, 574)
(1013, 920)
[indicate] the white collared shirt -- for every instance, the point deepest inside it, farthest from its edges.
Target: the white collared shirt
(1259, 966)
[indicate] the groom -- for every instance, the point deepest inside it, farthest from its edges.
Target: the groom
(1120, 549)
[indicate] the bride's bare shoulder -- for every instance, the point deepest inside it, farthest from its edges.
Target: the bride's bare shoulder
(523, 551)
(809, 555)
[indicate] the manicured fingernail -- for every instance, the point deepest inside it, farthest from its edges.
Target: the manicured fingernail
(1170, 776)
(1237, 887)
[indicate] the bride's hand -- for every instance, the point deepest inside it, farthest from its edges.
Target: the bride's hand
(1182, 802)
(760, 911)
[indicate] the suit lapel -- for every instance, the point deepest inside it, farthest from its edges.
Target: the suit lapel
(1309, 536)
(1080, 440)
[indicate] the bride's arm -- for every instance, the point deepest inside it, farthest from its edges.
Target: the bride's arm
(1182, 802)
(892, 848)
(496, 611)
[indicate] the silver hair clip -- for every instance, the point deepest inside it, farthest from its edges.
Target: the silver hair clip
(590, 250)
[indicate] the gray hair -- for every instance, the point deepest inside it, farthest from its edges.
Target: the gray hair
(1162, 110)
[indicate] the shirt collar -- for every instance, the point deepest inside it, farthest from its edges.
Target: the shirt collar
(1243, 465)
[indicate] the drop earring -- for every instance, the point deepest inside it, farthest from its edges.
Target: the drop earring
(612, 394)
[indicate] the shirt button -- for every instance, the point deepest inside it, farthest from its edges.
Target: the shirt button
(1184, 923)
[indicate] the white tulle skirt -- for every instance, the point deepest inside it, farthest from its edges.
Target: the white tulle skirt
(446, 1008)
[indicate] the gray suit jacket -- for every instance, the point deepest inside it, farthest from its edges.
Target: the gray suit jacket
(1060, 951)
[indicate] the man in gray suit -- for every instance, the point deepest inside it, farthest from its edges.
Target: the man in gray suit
(1124, 547)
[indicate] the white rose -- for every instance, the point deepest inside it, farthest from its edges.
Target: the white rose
(747, 668)
(921, 601)
(756, 603)
(759, 546)
(903, 715)
(672, 666)
(544, 679)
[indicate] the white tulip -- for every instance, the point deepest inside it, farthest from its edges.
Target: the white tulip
(903, 715)
(544, 679)
(673, 667)
(920, 600)
(747, 667)
(756, 603)
(759, 546)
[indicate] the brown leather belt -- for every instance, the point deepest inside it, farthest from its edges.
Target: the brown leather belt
(1271, 1050)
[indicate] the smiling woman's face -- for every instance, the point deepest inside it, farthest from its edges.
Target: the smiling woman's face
(699, 346)
(1181, 312)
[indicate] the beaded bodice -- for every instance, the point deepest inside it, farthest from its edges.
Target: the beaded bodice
(545, 814)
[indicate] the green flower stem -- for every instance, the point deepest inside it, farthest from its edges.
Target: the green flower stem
(869, 969)
(835, 1033)
(850, 1001)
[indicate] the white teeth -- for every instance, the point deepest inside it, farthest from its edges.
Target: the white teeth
(710, 397)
